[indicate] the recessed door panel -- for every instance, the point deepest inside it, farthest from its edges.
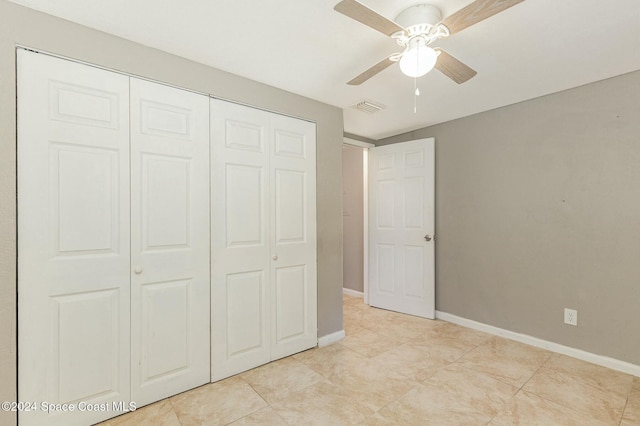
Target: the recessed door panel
(169, 241)
(77, 104)
(86, 344)
(386, 261)
(290, 206)
(289, 144)
(164, 120)
(73, 237)
(414, 159)
(414, 203)
(244, 205)
(165, 328)
(414, 271)
(244, 135)
(386, 205)
(245, 320)
(85, 197)
(290, 301)
(166, 204)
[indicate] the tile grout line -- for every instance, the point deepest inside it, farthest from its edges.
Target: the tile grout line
(257, 393)
(534, 373)
(521, 388)
(556, 403)
(625, 405)
(174, 411)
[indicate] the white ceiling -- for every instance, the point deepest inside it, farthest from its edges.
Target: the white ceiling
(534, 48)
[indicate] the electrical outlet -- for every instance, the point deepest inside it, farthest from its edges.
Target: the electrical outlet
(570, 316)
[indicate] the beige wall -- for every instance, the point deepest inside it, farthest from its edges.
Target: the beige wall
(352, 219)
(22, 26)
(538, 209)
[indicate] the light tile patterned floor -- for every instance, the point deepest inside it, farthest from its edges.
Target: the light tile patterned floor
(395, 369)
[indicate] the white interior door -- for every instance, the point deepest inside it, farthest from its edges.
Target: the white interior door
(73, 238)
(293, 229)
(401, 227)
(240, 243)
(169, 241)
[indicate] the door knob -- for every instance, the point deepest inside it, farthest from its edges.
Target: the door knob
(138, 270)
(275, 257)
(428, 237)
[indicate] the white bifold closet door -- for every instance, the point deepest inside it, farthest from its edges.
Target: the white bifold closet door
(92, 330)
(170, 335)
(263, 218)
(73, 238)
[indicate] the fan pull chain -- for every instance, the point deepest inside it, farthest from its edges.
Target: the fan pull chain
(416, 93)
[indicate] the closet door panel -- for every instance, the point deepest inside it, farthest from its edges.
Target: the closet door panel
(293, 229)
(240, 238)
(169, 240)
(73, 238)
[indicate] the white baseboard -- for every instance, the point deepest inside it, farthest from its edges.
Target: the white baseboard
(614, 364)
(330, 339)
(350, 292)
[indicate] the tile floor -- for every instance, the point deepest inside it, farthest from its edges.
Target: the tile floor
(395, 369)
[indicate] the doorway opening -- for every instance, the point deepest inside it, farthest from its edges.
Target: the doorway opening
(399, 181)
(355, 217)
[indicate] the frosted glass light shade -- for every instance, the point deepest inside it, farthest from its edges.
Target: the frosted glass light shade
(418, 60)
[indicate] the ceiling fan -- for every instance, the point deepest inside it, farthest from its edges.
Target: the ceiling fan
(415, 29)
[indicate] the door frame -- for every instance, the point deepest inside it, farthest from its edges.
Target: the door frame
(365, 210)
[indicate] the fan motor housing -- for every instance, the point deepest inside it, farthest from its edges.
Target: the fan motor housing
(419, 18)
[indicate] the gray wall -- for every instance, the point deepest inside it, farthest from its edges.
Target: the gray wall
(23, 26)
(352, 219)
(538, 209)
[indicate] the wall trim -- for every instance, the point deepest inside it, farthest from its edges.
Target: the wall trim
(353, 142)
(330, 339)
(604, 361)
(354, 293)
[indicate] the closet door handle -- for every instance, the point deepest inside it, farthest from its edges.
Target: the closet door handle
(138, 270)
(275, 257)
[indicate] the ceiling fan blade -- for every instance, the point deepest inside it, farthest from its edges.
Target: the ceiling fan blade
(453, 68)
(477, 11)
(371, 72)
(361, 13)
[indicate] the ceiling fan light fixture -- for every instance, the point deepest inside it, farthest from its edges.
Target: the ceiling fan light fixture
(419, 59)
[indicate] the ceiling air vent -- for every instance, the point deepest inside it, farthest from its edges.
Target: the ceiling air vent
(368, 106)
